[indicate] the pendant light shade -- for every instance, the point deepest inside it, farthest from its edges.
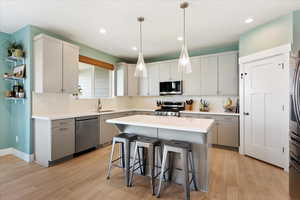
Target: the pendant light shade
(184, 63)
(140, 70)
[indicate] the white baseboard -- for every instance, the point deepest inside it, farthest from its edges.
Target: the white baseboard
(12, 151)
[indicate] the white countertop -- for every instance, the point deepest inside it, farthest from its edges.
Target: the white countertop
(166, 122)
(57, 116)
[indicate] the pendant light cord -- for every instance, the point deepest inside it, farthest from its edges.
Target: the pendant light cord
(141, 39)
(184, 32)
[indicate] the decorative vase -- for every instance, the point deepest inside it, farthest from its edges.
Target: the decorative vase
(18, 53)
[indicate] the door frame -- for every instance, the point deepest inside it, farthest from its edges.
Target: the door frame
(284, 50)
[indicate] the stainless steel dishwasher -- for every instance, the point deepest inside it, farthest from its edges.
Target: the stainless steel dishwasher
(86, 133)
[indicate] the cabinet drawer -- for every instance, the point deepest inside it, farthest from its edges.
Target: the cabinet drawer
(63, 123)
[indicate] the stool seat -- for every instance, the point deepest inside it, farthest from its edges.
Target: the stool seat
(179, 144)
(148, 140)
(128, 136)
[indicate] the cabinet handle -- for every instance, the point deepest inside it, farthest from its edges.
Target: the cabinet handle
(246, 113)
(63, 129)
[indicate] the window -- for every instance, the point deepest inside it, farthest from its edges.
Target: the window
(94, 82)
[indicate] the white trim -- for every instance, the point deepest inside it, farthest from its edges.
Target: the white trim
(266, 53)
(12, 151)
(4, 152)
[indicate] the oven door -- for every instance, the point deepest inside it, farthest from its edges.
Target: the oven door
(170, 88)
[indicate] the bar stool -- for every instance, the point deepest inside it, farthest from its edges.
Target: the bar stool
(185, 149)
(125, 140)
(150, 144)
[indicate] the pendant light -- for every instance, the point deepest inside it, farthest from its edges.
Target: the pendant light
(184, 63)
(140, 70)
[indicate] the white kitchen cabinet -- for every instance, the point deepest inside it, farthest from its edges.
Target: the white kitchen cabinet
(192, 81)
(175, 75)
(132, 81)
(48, 54)
(143, 86)
(228, 74)
(55, 65)
(164, 71)
(126, 84)
(228, 131)
(70, 68)
(209, 75)
(54, 140)
(153, 79)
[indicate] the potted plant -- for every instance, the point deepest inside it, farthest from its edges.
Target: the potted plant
(15, 50)
(204, 106)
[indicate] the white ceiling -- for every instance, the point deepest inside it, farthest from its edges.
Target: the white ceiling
(209, 22)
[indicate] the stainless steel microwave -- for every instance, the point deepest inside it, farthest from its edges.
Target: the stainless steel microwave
(170, 88)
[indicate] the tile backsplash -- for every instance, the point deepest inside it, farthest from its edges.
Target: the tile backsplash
(65, 103)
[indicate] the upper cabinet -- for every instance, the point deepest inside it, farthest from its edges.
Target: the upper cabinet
(55, 65)
(212, 75)
(192, 81)
(125, 81)
(153, 78)
(228, 74)
(209, 75)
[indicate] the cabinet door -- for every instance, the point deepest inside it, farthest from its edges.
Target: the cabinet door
(209, 75)
(174, 74)
(192, 81)
(153, 78)
(63, 142)
(215, 134)
(143, 86)
(70, 68)
(228, 132)
(121, 80)
(107, 131)
(228, 74)
(49, 66)
(164, 72)
(132, 81)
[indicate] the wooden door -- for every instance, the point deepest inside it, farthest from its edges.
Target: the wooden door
(70, 68)
(209, 75)
(228, 75)
(264, 113)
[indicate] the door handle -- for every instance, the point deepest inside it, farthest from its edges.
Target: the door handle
(246, 113)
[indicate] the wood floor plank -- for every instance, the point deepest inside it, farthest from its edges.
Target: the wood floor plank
(233, 177)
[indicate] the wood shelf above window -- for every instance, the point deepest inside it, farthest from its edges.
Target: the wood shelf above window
(95, 62)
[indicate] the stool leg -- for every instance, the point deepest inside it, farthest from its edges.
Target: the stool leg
(161, 158)
(127, 160)
(193, 170)
(151, 153)
(186, 183)
(133, 165)
(140, 161)
(122, 155)
(163, 166)
(111, 159)
(171, 163)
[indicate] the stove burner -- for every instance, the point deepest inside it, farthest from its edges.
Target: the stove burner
(170, 109)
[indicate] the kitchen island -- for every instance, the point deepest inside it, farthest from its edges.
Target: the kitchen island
(195, 131)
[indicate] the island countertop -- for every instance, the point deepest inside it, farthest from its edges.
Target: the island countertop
(166, 122)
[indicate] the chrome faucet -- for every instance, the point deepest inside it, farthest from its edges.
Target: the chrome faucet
(99, 106)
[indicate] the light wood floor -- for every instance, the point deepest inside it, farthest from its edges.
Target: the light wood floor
(233, 177)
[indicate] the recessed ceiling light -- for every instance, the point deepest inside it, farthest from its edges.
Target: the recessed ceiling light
(134, 48)
(179, 38)
(102, 31)
(249, 20)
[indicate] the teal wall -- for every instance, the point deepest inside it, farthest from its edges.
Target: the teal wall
(272, 34)
(5, 134)
(20, 115)
(296, 31)
(204, 51)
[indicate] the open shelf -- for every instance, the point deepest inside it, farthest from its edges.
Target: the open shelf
(13, 78)
(14, 59)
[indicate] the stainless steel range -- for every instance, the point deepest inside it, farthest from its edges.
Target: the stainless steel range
(169, 108)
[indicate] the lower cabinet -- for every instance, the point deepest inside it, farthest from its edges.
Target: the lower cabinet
(54, 139)
(108, 131)
(225, 131)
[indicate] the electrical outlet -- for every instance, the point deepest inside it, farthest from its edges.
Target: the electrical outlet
(17, 139)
